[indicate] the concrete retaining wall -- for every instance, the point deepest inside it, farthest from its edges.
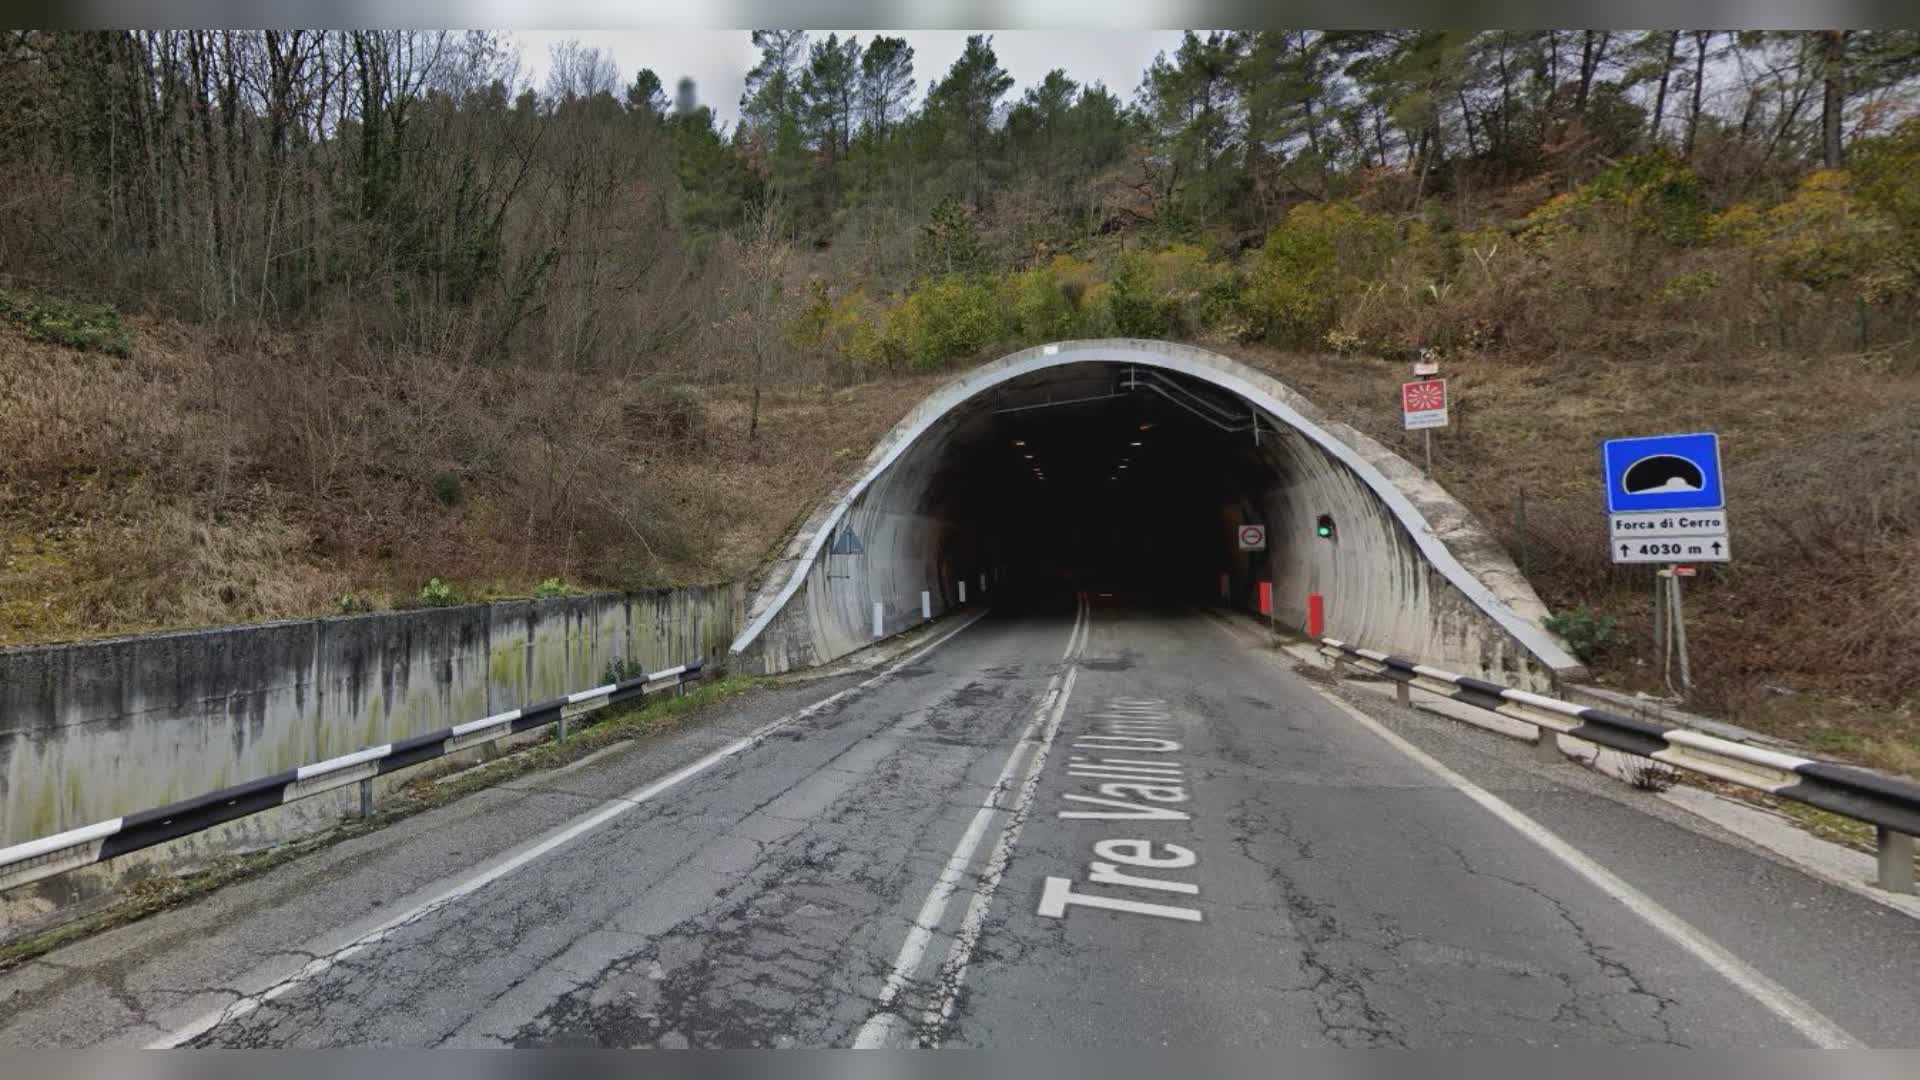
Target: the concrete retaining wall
(95, 730)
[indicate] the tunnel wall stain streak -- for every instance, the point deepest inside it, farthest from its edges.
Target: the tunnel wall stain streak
(90, 731)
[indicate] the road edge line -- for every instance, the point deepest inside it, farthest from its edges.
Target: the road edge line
(1777, 999)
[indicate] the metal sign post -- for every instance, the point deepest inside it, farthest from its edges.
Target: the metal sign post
(1666, 503)
(1677, 635)
(1252, 538)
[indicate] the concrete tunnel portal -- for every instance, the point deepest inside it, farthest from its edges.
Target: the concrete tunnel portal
(1128, 467)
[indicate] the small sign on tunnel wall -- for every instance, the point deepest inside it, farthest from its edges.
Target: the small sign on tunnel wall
(1252, 537)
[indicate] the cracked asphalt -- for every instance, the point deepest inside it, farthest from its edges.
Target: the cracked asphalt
(1346, 896)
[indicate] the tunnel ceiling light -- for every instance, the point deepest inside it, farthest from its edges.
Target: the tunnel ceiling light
(1135, 442)
(1019, 442)
(1029, 457)
(1146, 425)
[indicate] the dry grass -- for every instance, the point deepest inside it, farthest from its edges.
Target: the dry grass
(1814, 633)
(193, 483)
(197, 482)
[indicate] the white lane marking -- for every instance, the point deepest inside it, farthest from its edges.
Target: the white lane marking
(1777, 999)
(609, 810)
(879, 1026)
(1082, 625)
(953, 972)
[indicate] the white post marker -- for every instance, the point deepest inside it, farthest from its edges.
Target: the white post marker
(926, 604)
(963, 590)
(879, 621)
(983, 584)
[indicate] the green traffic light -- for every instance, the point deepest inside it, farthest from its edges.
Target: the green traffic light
(1324, 531)
(1324, 527)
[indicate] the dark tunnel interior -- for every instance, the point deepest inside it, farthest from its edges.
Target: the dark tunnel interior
(1107, 479)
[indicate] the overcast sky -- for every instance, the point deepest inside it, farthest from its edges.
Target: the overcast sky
(718, 60)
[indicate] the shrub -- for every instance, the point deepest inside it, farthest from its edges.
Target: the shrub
(65, 322)
(946, 320)
(446, 489)
(1656, 194)
(1588, 633)
(1649, 775)
(1321, 251)
(1689, 287)
(1824, 236)
(437, 593)
(1193, 292)
(1130, 300)
(851, 330)
(950, 241)
(1041, 307)
(1885, 167)
(550, 588)
(348, 603)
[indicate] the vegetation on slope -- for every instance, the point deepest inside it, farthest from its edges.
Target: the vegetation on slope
(392, 315)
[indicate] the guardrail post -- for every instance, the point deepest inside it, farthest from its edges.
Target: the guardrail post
(1896, 860)
(1403, 695)
(1546, 745)
(562, 735)
(366, 797)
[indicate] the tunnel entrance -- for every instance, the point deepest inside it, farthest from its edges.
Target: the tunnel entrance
(1107, 478)
(1128, 467)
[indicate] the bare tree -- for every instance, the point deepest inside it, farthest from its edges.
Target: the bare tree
(765, 252)
(580, 71)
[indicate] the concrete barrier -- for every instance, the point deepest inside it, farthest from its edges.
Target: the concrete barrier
(90, 731)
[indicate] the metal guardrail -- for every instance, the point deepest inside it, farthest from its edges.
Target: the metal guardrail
(1890, 804)
(90, 844)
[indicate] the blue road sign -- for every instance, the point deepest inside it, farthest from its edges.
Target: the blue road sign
(1663, 472)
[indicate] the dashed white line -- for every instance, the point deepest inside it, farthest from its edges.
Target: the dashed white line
(878, 1030)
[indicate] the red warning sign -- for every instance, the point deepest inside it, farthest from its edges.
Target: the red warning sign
(1423, 404)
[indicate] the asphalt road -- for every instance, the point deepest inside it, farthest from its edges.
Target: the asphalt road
(1113, 827)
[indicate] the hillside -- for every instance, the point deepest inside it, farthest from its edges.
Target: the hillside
(140, 492)
(310, 322)
(191, 482)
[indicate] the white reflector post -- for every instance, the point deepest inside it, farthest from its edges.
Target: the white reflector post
(926, 604)
(963, 592)
(876, 619)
